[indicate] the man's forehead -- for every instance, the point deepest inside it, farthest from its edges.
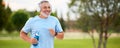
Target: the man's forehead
(45, 4)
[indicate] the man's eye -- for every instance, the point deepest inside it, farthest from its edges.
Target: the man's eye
(45, 7)
(48, 7)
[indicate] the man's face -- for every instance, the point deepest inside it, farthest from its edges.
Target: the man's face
(45, 8)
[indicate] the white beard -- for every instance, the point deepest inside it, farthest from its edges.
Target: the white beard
(45, 15)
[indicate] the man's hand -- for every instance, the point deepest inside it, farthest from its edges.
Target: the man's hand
(33, 41)
(59, 35)
(52, 32)
(24, 36)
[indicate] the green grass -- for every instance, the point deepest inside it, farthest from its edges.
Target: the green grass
(13, 44)
(85, 43)
(66, 43)
(113, 43)
(73, 43)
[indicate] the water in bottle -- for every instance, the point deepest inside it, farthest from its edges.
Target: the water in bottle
(36, 36)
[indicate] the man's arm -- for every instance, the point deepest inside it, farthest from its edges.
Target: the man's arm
(25, 37)
(60, 35)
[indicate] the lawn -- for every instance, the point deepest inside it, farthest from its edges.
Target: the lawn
(66, 43)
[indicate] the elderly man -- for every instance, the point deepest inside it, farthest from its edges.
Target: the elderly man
(44, 26)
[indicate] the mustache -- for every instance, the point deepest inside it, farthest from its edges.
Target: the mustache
(44, 14)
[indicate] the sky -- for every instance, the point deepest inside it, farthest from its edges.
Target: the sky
(32, 5)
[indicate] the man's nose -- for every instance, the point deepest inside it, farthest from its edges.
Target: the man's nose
(48, 8)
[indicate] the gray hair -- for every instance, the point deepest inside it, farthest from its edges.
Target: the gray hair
(44, 1)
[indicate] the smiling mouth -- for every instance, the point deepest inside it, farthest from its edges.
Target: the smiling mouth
(47, 13)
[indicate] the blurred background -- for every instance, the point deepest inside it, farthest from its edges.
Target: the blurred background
(86, 23)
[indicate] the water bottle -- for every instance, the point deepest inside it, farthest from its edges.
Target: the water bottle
(36, 36)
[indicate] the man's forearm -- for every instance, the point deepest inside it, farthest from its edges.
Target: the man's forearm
(60, 35)
(24, 36)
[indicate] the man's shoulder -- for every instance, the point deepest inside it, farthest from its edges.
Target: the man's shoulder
(32, 19)
(53, 17)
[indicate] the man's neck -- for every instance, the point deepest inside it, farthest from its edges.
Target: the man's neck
(42, 17)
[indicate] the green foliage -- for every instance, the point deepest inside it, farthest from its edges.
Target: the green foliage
(2, 15)
(33, 13)
(116, 23)
(83, 22)
(5, 16)
(62, 22)
(104, 16)
(54, 14)
(9, 27)
(19, 18)
(99, 10)
(71, 3)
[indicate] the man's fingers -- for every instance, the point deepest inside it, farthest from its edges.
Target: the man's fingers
(34, 41)
(52, 31)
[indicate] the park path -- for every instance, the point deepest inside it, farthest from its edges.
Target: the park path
(81, 35)
(68, 35)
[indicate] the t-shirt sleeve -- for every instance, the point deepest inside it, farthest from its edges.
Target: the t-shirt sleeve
(58, 27)
(27, 27)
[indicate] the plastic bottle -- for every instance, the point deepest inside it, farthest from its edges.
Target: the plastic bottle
(36, 36)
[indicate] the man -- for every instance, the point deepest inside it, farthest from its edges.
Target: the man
(47, 27)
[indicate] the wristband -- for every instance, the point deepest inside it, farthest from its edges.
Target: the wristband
(56, 33)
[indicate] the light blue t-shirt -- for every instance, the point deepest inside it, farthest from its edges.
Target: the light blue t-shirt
(42, 26)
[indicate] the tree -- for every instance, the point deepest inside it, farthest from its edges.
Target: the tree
(9, 26)
(19, 18)
(85, 23)
(62, 22)
(103, 11)
(5, 16)
(116, 24)
(54, 14)
(2, 15)
(33, 13)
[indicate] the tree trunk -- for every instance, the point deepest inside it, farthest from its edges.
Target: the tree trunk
(100, 40)
(93, 39)
(101, 34)
(106, 31)
(105, 40)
